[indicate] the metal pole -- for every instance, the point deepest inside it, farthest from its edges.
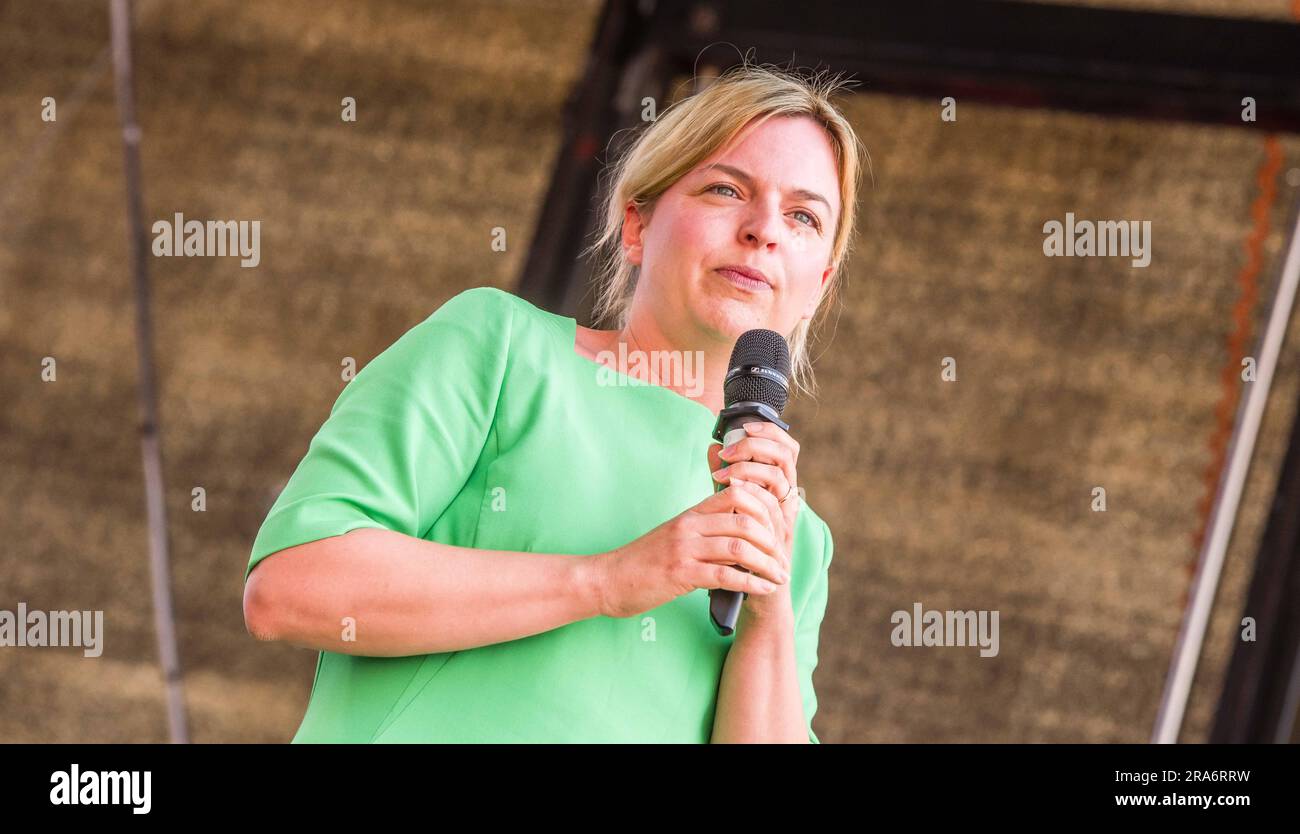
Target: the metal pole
(1191, 635)
(155, 506)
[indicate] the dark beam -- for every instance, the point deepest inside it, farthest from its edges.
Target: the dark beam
(619, 71)
(1139, 64)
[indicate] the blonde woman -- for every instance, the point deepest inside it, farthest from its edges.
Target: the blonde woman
(495, 537)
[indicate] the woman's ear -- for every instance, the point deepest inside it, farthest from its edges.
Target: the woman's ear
(816, 299)
(632, 228)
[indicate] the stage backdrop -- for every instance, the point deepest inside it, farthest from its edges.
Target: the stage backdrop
(974, 493)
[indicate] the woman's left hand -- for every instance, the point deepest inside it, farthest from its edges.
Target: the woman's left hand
(765, 458)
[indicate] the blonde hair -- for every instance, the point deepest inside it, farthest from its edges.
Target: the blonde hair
(690, 131)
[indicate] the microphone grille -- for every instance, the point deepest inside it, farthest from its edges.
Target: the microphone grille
(763, 349)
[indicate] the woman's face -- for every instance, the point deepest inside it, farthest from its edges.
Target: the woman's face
(754, 204)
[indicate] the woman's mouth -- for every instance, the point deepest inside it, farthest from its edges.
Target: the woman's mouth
(743, 281)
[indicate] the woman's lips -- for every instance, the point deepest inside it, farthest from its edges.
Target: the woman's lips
(743, 281)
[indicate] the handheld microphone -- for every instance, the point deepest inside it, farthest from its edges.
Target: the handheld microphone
(756, 388)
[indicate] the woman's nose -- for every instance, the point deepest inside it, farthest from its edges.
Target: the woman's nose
(762, 224)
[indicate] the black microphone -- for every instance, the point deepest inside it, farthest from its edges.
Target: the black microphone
(756, 388)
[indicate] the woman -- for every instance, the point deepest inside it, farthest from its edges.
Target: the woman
(494, 537)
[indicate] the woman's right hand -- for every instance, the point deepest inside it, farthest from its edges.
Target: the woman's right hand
(696, 549)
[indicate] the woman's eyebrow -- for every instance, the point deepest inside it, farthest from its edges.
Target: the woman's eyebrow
(801, 193)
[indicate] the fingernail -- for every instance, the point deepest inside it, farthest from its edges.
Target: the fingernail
(726, 452)
(753, 427)
(719, 474)
(785, 577)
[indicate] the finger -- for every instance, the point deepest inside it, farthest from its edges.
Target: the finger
(742, 540)
(724, 501)
(747, 497)
(761, 450)
(712, 575)
(775, 513)
(715, 462)
(755, 448)
(771, 431)
(770, 505)
(728, 550)
(750, 520)
(770, 477)
(761, 428)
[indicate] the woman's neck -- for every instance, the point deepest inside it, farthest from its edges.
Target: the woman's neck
(695, 371)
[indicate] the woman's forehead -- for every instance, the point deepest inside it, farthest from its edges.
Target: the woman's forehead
(793, 154)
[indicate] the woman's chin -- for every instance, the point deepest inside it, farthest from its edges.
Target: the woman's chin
(730, 317)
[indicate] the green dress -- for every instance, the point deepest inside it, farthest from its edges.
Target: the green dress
(483, 427)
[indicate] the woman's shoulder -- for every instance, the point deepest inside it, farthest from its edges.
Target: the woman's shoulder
(493, 305)
(497, 312)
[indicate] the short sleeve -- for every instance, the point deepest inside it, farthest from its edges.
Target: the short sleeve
(807, 630)
(404, 434)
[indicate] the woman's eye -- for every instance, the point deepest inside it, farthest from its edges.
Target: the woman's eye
(811, 217)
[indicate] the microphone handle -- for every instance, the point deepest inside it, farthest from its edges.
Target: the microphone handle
(724, 605)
